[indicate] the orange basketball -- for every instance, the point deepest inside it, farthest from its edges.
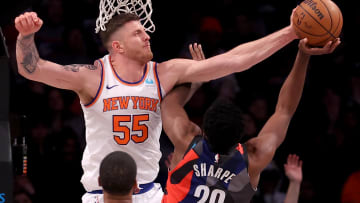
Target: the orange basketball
(318, 20)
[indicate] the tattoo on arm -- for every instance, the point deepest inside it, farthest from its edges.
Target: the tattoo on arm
(76, 67)
(30, 53)
(31, 56)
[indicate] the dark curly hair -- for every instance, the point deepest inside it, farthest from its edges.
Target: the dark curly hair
(223, 125)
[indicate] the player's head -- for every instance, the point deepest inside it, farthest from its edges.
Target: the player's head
(223, 125)
(116, 23)
(127, 36)
(117, 174)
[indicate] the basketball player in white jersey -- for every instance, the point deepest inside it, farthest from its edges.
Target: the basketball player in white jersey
(121, 93)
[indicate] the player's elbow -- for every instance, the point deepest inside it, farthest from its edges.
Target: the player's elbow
(285, 110)
(178, 131)
(29, 70)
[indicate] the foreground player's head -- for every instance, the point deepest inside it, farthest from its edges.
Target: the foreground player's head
(223, 125)
(118, 173)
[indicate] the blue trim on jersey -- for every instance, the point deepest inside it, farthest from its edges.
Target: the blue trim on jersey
(99, 89)
(157, 77)
(96, 192)
(132, 83)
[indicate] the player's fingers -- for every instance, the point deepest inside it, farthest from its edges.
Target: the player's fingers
(34, 15)
(29, 21)
(197, 51)
(17, 23)
(296, 159)
(39, 22)
(328, 44)
(300, 163)
(293, 159)
(201, 52)
(303, 44)
(191, 49)
(23, 22)
(335, 45)
(36, 19)
(288, 158)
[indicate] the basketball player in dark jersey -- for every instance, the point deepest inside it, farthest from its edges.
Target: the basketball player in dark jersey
(211, 165)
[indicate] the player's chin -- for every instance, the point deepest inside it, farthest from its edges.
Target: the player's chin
(149, 55)
(146, 57)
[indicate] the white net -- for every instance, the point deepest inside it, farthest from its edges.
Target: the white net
(108, 8)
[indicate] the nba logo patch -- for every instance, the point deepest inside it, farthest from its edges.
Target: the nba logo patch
(217, 156)
(149, 81)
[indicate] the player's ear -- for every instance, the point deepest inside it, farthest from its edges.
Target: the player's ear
(136, 189)
(117, 46)
(99, 181)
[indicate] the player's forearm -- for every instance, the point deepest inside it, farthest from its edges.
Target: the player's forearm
(174, 117)
(27, 55)
(238, 59)
(256, 51)
(292, 194)
(172, 107)
(292, 88)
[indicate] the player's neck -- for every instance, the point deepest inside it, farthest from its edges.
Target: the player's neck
(127, 69)
(117, 199)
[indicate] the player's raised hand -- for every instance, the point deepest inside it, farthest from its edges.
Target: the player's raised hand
(326, 49)
(196, 52)
(28, 23)
(293, 168)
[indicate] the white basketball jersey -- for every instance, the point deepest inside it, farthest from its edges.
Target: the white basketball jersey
(125, 117)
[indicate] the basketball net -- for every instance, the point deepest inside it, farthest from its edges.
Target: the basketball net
(108, 8)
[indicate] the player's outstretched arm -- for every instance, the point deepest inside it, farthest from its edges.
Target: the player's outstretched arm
(293, 170)
(261, 149)
(240, 58)
(31, 66)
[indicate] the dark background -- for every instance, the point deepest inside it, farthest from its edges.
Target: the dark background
(324, 131)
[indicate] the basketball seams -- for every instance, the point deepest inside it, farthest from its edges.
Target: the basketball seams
(331, 20)
(318, 21)
(338, 25)
(314, 20)
(309, 33)
(299, 28)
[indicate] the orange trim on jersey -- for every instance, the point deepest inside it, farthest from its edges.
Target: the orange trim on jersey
(240, 149)
(157, 80)
(177, 192)
(124, 82)
(98, 93)
(191, 155)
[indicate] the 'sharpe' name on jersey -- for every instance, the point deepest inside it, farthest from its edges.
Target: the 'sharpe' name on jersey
(143, 103)
(220, 173)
